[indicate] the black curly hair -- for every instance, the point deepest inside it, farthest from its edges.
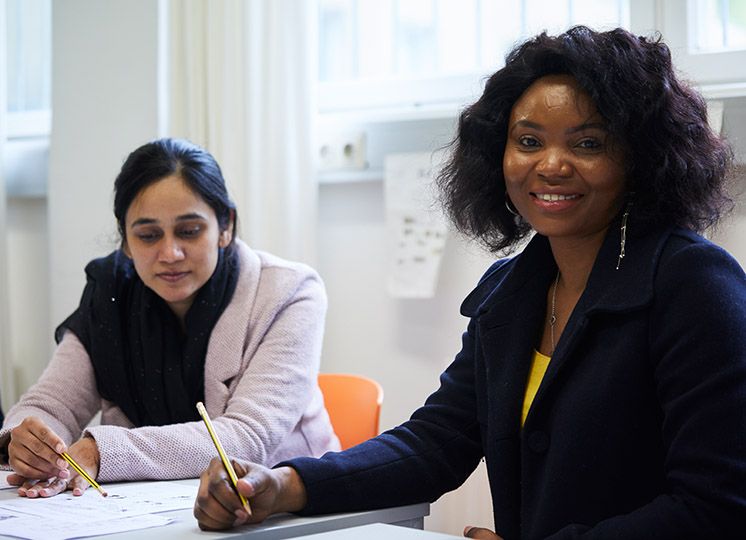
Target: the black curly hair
(676, 165)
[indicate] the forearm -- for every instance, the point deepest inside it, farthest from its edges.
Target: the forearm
(65, 397)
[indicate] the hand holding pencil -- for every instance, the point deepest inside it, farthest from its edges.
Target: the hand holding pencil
(223, 457)
(51, 473)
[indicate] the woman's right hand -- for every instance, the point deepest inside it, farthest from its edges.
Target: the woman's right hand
(269, 491)
(34, 451)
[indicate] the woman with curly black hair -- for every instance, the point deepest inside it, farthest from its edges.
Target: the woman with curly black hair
(603, 372)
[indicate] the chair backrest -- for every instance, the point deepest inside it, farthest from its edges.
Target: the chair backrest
(354, 406)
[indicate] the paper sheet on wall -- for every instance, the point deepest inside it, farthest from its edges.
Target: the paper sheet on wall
(715, 111)
(416, 228)
(128, 507)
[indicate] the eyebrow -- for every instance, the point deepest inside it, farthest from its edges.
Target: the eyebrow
(569, 131)
(152, 221)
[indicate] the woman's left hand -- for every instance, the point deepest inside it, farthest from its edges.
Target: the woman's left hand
(480, 533)
(84, 452)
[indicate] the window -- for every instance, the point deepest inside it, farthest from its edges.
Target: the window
(719, 25)
(708, 42)
(28, 49)
(28, 62)
(434, 51)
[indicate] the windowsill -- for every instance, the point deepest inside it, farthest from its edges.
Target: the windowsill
(723, 90)
(29, 124)
(26, 167)
(349, 176)
(392, 114)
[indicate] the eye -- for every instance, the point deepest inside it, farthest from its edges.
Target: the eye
(590, 143)
(191, 231)
(528, 142)
(148, 236)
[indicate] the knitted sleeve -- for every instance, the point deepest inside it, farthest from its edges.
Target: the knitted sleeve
(65, 396)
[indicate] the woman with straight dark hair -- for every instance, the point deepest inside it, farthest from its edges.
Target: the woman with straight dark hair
(602, 375)
(183, 312)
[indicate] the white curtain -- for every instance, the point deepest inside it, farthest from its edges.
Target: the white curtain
(7, 386)
(241, 84)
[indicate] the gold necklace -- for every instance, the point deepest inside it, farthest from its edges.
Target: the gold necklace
(553, 317)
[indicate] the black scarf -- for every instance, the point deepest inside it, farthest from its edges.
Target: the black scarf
(143, 361)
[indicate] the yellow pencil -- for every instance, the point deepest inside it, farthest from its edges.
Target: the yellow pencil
(223, 457)
(83, 473)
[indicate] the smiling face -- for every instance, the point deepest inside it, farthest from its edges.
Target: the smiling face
(562, 172)
(173, 236)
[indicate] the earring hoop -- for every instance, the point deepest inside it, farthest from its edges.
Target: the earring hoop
(510, 207)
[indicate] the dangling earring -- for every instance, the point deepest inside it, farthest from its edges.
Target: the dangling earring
(623, 241)
(510, 207)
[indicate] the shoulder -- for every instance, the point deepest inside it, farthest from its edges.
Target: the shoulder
(115, 266)
(700, 278)
(277, 277)
(489, 281)
(686, 255)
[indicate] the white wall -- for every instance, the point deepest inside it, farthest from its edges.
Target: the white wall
(731, 233)
(105, 99)
(28, 275)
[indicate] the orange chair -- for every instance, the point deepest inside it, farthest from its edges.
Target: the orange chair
(354, 406)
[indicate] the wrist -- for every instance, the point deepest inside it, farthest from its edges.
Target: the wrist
(91, 449)
(292, 490)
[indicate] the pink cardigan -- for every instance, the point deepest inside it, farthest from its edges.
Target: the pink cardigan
(261, 386)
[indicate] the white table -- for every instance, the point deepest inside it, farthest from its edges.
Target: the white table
(379, 531)
(280, 526)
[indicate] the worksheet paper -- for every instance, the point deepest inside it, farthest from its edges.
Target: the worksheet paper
(416, 229)
(128, 507)
(4, 480)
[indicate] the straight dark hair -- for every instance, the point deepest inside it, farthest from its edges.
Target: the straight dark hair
(165, 157)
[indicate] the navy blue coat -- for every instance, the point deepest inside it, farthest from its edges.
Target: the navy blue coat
(638, 429)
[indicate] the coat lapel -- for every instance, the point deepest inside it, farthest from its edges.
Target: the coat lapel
(608, 291)
(511, 304)
(510, 319)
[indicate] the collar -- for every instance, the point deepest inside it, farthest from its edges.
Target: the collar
(526, 276)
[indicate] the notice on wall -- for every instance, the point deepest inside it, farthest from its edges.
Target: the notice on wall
(416, 228)
(715, 111)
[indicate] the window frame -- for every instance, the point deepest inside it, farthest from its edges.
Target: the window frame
(714, 71)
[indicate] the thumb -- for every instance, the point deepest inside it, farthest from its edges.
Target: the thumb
(480, 533)
(245, 487)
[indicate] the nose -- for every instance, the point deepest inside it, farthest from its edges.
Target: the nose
(554, 163)
(170, 250)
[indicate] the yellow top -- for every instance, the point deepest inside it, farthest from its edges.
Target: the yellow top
(539, 364)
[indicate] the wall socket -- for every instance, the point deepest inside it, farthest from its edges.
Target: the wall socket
(342, 151)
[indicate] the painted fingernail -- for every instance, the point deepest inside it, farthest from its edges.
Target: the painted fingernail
(61, 463)
(64, 473)
(59, 448)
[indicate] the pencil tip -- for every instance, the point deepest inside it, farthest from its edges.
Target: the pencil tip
(104, 494)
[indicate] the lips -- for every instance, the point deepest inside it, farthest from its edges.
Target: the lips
(555, 202)
(552, 197)
(172, 277)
